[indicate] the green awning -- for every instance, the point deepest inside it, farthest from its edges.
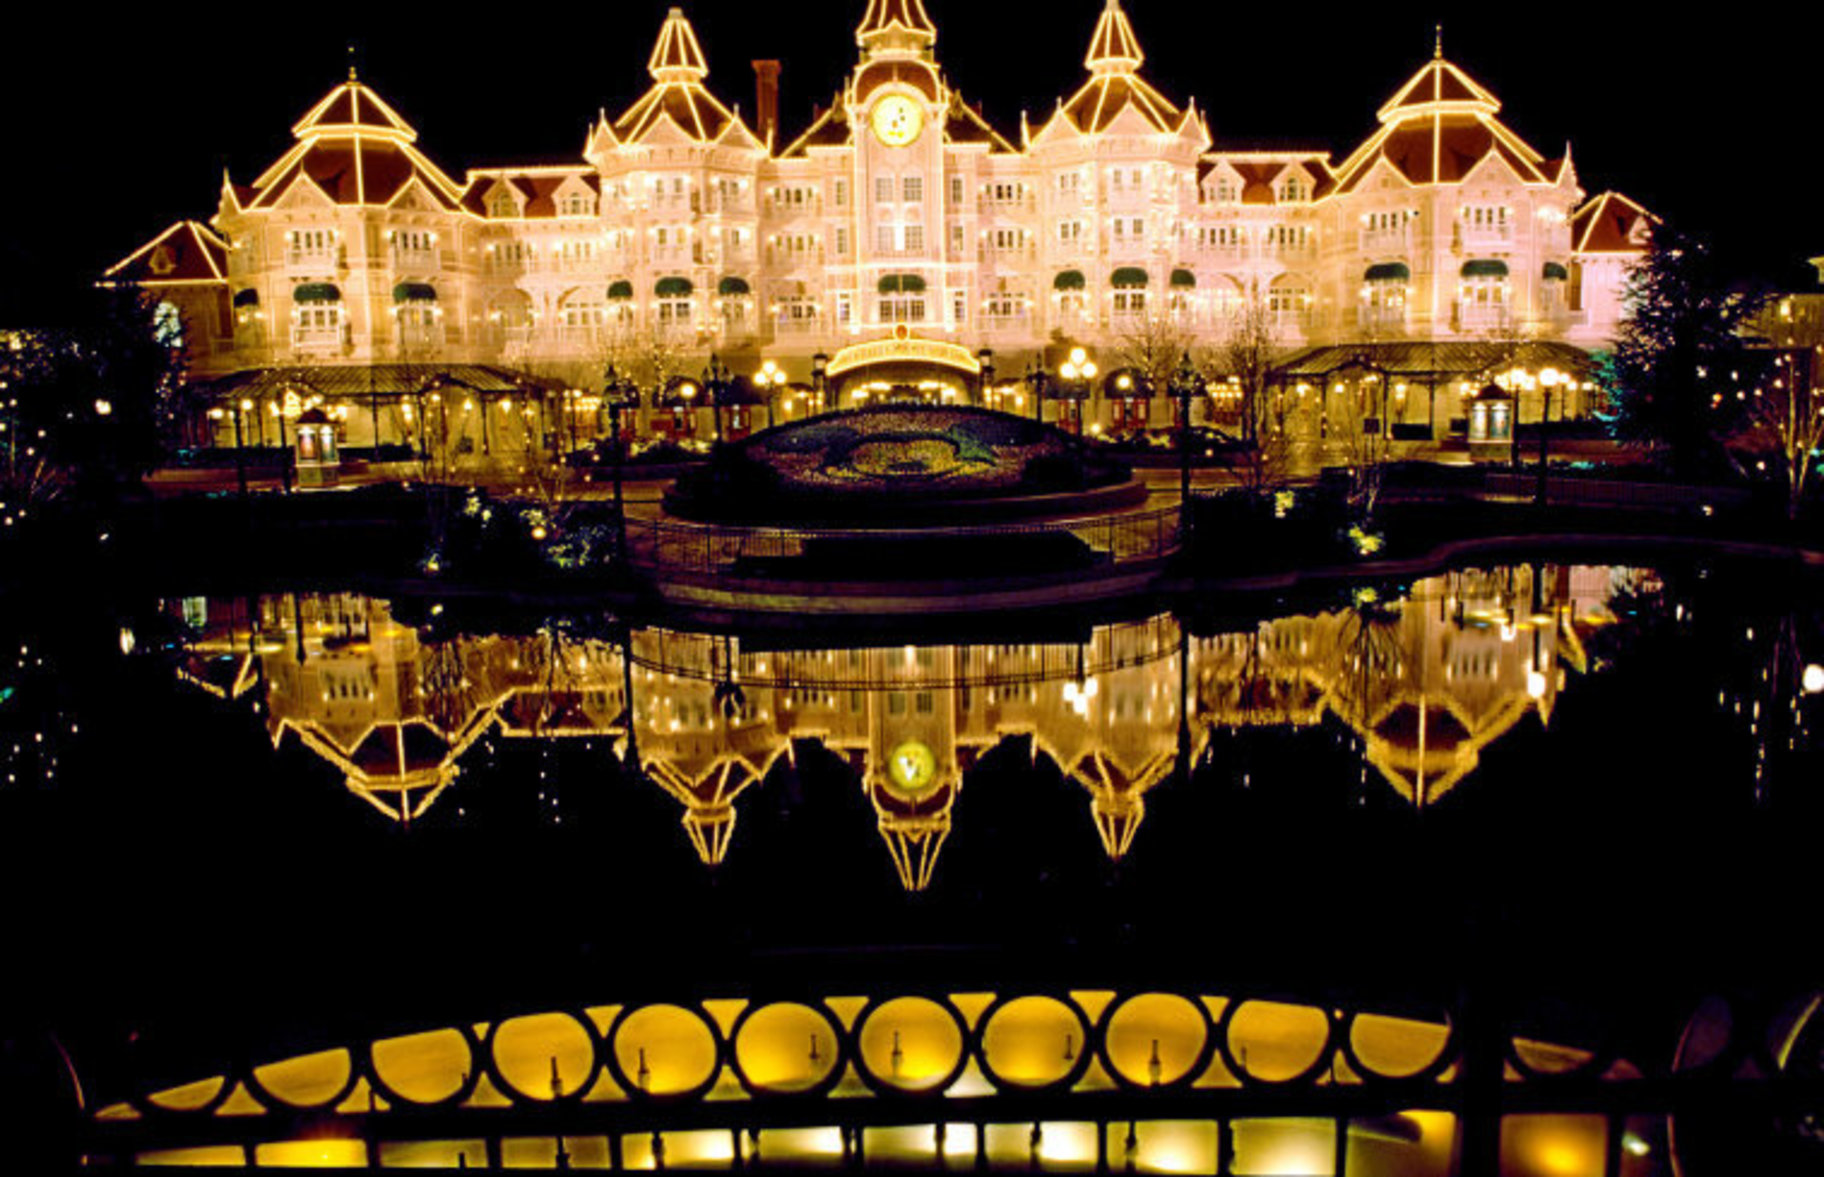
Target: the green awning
(1183, 278)
(414, 292)
(1068, 280)
(1388, 272)
(315, 292)
(1128, 277)
(901, 284)
(620, 291)
(732, 285)
(673, 287)
(247, 298)
(1484, 267)
(1555, 272)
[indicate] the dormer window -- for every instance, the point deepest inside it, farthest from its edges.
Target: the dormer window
(1227, 190)
(502, 206)
(1293, 190)
(577, 204)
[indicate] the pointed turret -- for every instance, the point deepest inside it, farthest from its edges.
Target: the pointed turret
(1114, 48)
(893, 24)
(1115, 85)
(677, 57)
(678, 96)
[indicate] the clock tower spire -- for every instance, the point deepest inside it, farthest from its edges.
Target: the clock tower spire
(896, 24)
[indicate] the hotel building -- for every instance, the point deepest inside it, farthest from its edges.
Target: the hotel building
(355, 265)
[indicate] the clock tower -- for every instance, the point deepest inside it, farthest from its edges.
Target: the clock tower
(896, 102)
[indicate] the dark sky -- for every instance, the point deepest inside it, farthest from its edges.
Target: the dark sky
(120, 123)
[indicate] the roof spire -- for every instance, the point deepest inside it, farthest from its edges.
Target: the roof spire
(896, 24)
(677, 57)
(1437, 44)
(352, 76)
(1113, 48)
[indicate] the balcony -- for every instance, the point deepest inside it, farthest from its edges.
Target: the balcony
(1484, 236)
(415, 261)
(1385, 240)
(314, 260)
(1006, 324)
(318, 339)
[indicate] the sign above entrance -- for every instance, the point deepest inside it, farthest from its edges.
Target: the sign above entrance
(903, 347)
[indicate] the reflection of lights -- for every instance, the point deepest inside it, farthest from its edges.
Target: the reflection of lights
(1813, 679)
(1635, 1145)
(1535, 684)
(1078, 695)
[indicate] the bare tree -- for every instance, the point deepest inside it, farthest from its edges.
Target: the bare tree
(1245, 356)
(1359, 427)
(1785, 415)
(1154, 345)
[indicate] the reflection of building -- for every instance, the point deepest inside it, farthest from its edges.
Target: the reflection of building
(1426, 682)
(392, 712)
(681, 229)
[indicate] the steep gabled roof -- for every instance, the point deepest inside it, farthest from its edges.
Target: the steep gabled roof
(1437, 128)
(356, 150)
(964, 124)
(677, 96)
(187, 252)
(1611, 223)
(829, 129)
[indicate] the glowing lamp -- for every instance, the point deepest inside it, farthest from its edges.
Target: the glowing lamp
(1813, 679)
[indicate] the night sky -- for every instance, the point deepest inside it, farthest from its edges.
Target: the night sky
(122, 123)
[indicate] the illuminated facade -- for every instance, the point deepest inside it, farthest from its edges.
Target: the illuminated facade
(683, 230)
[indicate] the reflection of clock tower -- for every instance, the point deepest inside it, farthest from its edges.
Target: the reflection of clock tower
(896, 103)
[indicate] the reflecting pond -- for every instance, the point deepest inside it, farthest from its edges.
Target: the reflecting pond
(1590, 789)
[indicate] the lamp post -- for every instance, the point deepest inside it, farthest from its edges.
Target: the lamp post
(278, 414)
(985, 358)
(1185, 382)
(1077, 371)
(1036, 378)
(1548, 379)
(770, 379)
(616, 391)
(240, 453)
(820, 377)
(715, 379)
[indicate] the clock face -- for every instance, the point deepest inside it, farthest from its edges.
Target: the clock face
(897, 120)
(911, 767)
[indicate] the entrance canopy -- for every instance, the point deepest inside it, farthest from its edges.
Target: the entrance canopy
(1423, 362)
(902, 347)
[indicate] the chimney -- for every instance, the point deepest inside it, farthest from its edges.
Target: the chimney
(766, 96)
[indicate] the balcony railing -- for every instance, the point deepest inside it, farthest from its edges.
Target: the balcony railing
(314, 259)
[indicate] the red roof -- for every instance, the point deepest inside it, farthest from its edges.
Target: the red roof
(358, 170)
(186, 252)
(1611, 223)
(537, 187)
